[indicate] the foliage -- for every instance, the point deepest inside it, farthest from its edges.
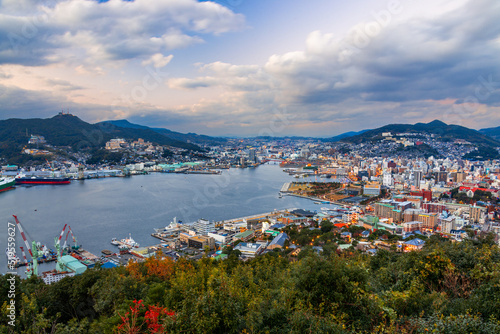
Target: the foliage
(444, 288)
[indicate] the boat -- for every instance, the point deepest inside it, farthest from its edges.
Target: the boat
(115, 242)
(173, 227)
(7, 183)
(129, 241)
(23, 179)
(124, 247)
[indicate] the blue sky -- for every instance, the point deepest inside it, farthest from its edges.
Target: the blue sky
(250, 67)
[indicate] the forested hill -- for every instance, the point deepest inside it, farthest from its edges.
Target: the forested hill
(69, 130)
(185, 137)
(444, 288)
(438, 129)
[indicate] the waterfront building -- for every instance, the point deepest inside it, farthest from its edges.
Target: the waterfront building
(203, 226)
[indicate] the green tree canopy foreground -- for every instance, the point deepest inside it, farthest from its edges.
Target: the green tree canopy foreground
(445, 288)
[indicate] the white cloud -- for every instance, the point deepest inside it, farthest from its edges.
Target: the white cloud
(115, 30)
(158, 60)
(402, 72)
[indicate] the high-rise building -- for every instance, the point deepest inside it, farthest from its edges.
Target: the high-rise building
(417, 177)
(476, 213)
(252, 156)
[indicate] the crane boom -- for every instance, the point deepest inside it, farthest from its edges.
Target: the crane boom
(22, 234)
(72, 235)
(62, 233)
(24, 255)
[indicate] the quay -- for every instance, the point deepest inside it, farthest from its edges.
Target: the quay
(285, 187)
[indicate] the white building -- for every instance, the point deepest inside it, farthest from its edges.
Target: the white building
(387, 180)
(203, 226)
(224, 237)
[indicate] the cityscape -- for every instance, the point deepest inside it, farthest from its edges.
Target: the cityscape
(194, 166)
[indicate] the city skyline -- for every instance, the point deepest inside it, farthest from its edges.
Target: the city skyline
(230, 67)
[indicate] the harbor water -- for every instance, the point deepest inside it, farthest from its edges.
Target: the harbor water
(100, 209)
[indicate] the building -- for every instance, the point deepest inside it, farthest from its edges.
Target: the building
(278, 241)
(387, 180)
(447, 224)
(434, 207)
(425, 194)
(9, 168)
(116, 144)
(252, 157)
(413, 245)
(412, 226)
(36, 139)
(476, 213)
(248, 249)
(200, 242)
(371, 189)
(54, 276)
(429, 220)
(203, 226)
(222, 236)
(417, 177)
(410, 215)
(236, 226)
(244, 236)
(69, 263)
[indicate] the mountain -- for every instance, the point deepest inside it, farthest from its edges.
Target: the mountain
(441, 130)
(69, 130)
(189, 137)
(345, 135)
(492, 132)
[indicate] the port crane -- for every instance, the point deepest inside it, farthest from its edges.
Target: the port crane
(70, 231)
(28, 271)
(33, 251)
(57, 244)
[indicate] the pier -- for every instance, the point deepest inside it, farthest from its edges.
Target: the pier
(285, 187)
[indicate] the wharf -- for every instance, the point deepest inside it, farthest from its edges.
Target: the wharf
(285, 187)
(258, 216)
(40, 260)
(208, 172)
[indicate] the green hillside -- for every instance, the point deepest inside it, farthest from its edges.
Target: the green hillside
(69, 130)
(185, 137)
(492, 132)
(444, 288)
(437, 128)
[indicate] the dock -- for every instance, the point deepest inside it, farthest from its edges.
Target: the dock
(285, 187)
(258, 216)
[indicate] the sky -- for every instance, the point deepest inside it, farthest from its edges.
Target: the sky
(253, 67)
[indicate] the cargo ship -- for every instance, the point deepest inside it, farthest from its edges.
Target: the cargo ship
(7, 183)
(22, 179)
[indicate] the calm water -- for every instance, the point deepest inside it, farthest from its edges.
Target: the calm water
(98, 210)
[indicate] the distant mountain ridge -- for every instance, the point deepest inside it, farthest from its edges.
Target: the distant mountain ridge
(345, 135)
(438, 128)
(186, 137)
(492, 132)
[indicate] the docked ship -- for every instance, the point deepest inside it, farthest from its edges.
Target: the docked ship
(23, 179)
(7, 183)
(125, 244)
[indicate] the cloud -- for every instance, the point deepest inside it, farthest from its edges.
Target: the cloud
(158, 60)
(62, 84)
(38, 33)
(402, 72)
